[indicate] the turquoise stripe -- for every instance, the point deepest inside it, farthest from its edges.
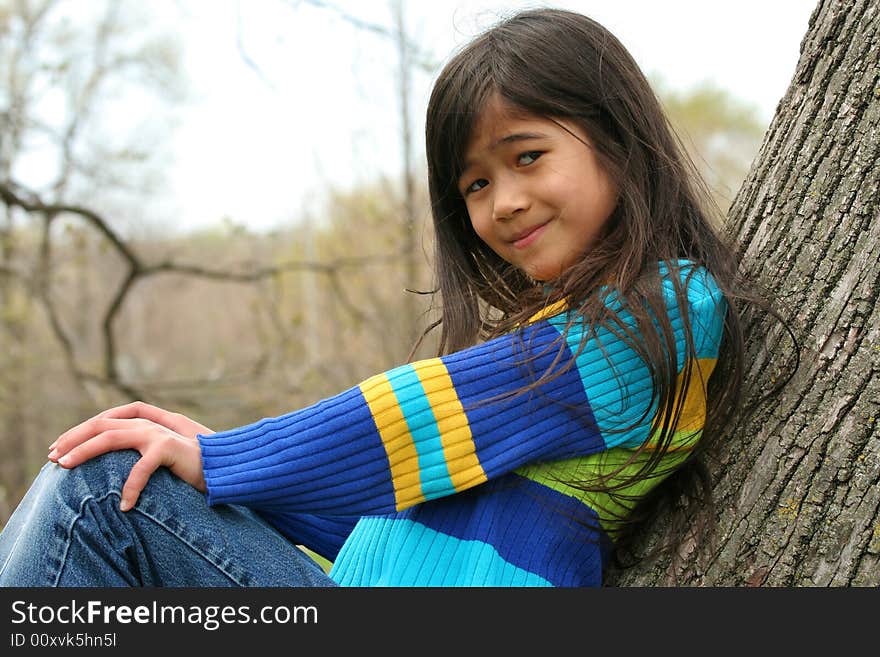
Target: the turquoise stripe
(415, 555)
(605, 385)
(620, 394)
(416, 408)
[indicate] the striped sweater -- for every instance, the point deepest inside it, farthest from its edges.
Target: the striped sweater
(432, 474)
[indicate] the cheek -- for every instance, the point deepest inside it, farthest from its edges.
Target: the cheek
(481, 233)
(607, 198)
(595, 210)
(479, 223)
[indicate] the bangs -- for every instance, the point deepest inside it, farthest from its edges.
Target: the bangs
(457, 100)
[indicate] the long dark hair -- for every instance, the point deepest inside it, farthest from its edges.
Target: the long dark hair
(563, 65)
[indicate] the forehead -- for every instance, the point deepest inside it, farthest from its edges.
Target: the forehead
(495, 120)
(500, 124)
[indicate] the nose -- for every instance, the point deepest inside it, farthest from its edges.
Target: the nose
(508, 198)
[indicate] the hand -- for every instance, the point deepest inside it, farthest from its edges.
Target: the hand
(162, 438)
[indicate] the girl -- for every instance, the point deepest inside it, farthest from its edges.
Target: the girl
(586, 299)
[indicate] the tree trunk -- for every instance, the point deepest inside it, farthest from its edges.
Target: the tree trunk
(796, 485)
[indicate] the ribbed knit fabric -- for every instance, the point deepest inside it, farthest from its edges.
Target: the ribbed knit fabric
(436, 474)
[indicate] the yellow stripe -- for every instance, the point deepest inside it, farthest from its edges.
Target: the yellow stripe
(693, 412)
(397, 440)
(459, 449)
(548, 311)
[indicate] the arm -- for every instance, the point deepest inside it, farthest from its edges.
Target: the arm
(412, 433)
(439, 426)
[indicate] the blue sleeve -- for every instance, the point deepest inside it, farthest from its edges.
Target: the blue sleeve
(438, 426)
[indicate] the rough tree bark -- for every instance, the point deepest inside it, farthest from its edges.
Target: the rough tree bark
(797, 484)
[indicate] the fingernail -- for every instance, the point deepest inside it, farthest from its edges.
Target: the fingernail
(124, 505)
(64, 460)
(52, 446)
(53, 454)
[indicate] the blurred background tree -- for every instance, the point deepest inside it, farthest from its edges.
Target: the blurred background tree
(722, 134)
(67, 70)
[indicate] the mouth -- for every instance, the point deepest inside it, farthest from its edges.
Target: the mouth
(526, 237)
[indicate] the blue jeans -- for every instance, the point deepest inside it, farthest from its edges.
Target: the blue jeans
(68, 531)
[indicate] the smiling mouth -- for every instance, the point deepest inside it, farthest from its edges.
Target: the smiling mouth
(525, 238)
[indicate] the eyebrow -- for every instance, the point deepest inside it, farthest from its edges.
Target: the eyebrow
(508, 139)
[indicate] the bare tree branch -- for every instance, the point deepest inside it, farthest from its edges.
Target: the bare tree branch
(12, 195)
(419, 58)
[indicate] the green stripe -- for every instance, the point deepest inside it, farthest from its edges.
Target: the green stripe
(610, 508)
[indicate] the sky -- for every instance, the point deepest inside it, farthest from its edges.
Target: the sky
(286, 98)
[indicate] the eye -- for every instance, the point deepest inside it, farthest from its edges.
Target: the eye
(475, 186)
(529, 157)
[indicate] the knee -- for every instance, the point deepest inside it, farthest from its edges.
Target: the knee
(96, 477)
(57, 495)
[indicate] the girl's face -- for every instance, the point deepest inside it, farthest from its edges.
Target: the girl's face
(535, 193)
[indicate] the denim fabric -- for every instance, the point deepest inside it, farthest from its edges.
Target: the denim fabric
(68, 531)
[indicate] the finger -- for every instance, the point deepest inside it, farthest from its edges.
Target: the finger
(107, 441)
(139, 409)
(134, 410)
(88, 430)
(74, 430)
(137, 480)
(177, 422)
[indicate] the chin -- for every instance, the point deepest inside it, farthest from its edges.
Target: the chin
(543, 275)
